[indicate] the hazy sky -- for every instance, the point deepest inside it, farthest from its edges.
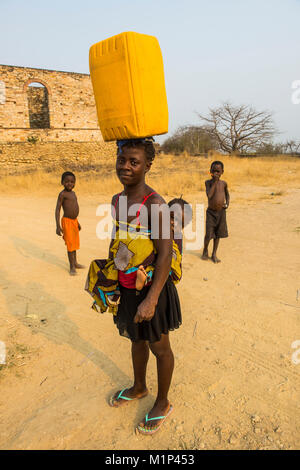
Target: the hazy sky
(244, 51)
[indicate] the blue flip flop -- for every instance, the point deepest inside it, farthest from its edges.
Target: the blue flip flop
(120, 396)
(148, 432)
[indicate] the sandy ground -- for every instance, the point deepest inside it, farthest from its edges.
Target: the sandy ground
(234, 385)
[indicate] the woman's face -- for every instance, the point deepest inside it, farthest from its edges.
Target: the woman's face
(132, 165)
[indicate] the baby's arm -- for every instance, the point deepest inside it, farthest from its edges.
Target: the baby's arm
(57, 213)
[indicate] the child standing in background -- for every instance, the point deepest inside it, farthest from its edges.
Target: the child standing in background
(70, 226)
(218, 201)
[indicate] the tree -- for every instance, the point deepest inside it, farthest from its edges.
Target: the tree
(271, 148)
(290, 147)
(293, 147)
(192, 139)
(239, 128)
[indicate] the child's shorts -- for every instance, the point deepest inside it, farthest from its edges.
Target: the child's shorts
(216, 225)
(70, 233)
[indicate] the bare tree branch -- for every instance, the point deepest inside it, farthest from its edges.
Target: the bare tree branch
(239, 128)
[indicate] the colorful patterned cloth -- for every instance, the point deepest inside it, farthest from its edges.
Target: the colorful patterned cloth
(130, 249)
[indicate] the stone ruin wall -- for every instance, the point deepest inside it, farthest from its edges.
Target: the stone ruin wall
(71, 105)
(40, 124)
(20, 157)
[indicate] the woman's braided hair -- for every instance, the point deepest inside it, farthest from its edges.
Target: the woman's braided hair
(145, 143)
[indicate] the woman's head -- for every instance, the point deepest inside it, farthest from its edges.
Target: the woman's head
(134, 159)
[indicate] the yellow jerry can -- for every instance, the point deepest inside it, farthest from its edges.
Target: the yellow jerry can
(128, 81)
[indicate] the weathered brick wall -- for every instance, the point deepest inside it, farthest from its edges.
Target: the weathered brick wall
(38, 107)
(19, 158)
(72, 110)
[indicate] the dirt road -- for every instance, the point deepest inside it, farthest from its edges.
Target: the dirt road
(234, 386)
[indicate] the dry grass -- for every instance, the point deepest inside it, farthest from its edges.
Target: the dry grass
(169, 175)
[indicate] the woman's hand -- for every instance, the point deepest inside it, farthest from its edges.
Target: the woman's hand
(59, 231)
(145, 311)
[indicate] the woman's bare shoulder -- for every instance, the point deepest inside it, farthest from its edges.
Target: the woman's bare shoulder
(114, 198)
(154, 198)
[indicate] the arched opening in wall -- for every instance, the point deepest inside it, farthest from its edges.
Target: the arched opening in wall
(38, 106)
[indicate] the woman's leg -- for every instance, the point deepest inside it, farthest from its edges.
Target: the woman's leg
(165, 365)
(140, 356)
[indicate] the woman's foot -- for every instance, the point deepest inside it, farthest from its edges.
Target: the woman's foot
(73, 272)
(204, 255)
(155, 418)
(215, 259)
(127, 394)
(141, 277)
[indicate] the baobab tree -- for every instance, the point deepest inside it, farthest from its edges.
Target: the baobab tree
(239, 129)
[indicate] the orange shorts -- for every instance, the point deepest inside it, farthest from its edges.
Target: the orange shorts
(70, 233)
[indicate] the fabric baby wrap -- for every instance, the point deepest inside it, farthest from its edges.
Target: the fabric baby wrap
(130, 249)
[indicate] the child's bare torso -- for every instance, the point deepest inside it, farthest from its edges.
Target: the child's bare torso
(70, 204)
(217, 201)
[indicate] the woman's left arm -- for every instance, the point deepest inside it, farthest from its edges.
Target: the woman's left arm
(163, 246)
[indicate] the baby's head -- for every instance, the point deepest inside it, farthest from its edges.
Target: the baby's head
(217, 168)
(134, 159)
(68, 180)
(181, 214)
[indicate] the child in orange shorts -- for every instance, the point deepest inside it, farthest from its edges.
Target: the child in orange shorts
(70, 226)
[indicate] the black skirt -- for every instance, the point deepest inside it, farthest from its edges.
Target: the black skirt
(167, 314)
